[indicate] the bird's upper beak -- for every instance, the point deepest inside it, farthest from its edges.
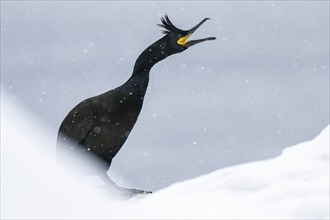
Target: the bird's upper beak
(183, 40)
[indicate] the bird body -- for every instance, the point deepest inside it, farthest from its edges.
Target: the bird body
(98, 127)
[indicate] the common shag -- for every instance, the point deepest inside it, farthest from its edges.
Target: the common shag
(98, 127)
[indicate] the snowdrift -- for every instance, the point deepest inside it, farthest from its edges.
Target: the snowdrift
(293, 185)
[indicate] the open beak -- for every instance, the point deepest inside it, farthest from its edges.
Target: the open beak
(183, 40)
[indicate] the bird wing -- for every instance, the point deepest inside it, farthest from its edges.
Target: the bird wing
(78, 123)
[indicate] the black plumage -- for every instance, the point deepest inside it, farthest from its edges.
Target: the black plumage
(99, 126)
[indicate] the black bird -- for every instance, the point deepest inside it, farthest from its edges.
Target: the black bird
(99, 126)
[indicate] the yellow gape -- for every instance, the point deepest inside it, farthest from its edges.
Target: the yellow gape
(183, 40)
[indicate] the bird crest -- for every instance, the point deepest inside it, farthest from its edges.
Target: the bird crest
(168, 25)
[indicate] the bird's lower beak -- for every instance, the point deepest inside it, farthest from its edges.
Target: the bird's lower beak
(183, 40)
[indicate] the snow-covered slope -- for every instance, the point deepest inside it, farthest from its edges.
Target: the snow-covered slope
(293, 185)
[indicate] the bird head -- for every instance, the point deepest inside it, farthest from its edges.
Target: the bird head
(176, 40)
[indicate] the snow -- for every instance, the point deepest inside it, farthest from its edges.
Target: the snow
(294, 185)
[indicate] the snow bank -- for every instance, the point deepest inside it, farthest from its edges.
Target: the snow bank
(32, 184)
(293, 185)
